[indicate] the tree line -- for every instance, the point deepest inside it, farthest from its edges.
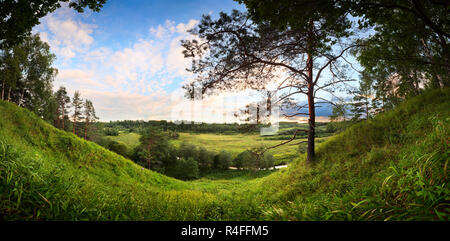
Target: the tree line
(27, 79)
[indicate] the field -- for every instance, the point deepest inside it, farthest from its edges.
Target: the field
(129, 139)
(238, 143)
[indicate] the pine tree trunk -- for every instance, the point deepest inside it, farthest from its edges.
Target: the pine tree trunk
(21, 98)
(74, 124)
(63, 117)
(9, 94)
(367, 109)
(312, 119)
(3, 89)
(149, 155)
(311, 110)
(85, 130)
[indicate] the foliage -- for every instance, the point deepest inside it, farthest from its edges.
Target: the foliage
(242, 159)
(234, 53)
(110, 132)
(90, 118)
(223, 160)
(186, 169)
(62, 111)
(409, 46)
(188, 150)
(119, 148)
(77, 104)
(27, 76)
(17, 18)
(154, 151)
(205, 158)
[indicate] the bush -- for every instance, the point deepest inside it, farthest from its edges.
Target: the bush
(205, 159)
(268, 161)
(119, 148)
(185, 169)
(111, 132)
(188, 150)
(223, 160)
(243, 159)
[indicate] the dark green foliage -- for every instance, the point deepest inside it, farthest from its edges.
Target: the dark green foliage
(62, 110)
(267, 161)
(119, 148)
(27, 76)
(205, 159)
(410, 42)
(110, 132)
(223, 160)
(187, 150)
(154, 152)
(90, 117)
(186, 169)
(250, 161)
(77, 117)
(243, 159)
(364, 104)
(330, 16)
(17, 18)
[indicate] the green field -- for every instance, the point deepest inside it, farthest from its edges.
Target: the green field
(129, 139)
(233, 143)
(238, 143)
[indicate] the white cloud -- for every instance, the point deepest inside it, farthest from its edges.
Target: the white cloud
(77, 77)
(131, 82)
(66, 36)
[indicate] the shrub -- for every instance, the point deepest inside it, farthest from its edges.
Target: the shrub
(188, 150)
(111, 132)
(267, 161)
(186, 169)
(119, 148)
(243, 159)
(223, 160)
(205, 158)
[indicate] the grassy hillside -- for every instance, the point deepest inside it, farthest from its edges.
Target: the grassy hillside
(392, 167)
(46, 173)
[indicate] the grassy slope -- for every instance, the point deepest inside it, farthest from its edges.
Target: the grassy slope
(392, 167)
(46, 173)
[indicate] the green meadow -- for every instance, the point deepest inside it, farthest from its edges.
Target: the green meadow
(233, 143)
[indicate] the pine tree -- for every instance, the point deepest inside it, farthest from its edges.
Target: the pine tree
(364, 104)
(63, 105)
(89, 117)
(77, 104)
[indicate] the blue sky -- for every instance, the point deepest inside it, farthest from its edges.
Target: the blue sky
(127, 58)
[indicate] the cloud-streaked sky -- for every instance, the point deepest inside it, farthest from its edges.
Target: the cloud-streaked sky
(127, 58)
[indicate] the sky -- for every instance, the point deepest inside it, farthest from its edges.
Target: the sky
(127, 59)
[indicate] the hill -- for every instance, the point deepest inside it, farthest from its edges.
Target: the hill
(391, 167)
